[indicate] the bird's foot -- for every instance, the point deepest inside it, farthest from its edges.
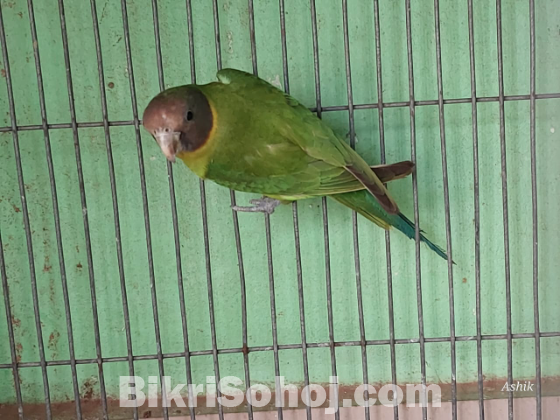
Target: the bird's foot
(261, 205)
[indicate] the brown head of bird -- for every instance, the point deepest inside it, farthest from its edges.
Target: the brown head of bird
(180, 120)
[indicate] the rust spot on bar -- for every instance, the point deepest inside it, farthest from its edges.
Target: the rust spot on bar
(87, 388)
(53, 340)
(19, 350)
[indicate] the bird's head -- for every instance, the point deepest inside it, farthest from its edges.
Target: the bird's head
(180, 120)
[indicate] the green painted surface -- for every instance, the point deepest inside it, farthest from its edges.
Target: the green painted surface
(236, 52)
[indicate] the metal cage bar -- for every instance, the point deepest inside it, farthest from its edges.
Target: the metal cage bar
(476, 187)
(234, 350)
(447, 212)
(83, 202)
(268, 234)
(381, 123)
(397, 104)
(145, 206)
(419, 301)
(180, 286)
(244, 331)
(101, 74)
(331, 345)
(301, 302)
(357, 266)
(56, 213)
(13, 354)
(28, 237)
(304, 343)
(532, 135)
(205, 223)
(505, 203)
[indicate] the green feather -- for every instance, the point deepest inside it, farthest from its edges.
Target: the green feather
(266, 142)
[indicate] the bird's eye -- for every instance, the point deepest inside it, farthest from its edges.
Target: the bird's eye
(166, 130)
(189, 116)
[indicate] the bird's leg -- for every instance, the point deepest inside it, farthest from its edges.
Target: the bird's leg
(262, 205)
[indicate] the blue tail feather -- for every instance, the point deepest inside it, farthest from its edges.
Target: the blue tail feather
(407, 227)
(365, 204)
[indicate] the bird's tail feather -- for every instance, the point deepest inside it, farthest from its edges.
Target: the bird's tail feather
(366, 205)
(407, 227)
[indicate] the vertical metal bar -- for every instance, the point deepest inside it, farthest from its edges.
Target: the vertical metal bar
(504, 201)
(110, 163)
(84, 209)
(210, 294)
(25, 213)
(305, 361)
(476, 213)
(8, 307)
(535, 212)
(205, 221)
(447, 211)
(217, 39)
(244, 321)
(387, 238)
(325, 211)
(145, 205)
(170, 177)
(243, 316)
(239, 253)
(357, 267)
(267, 231)
(180, 285)
(251, 10)
(329, 304)
(56, 212)
(419, 304)
(301, 311)
(273, 311)
(316, 63)
(282, 9)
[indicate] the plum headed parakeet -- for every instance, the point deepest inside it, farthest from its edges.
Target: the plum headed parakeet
(245, 134)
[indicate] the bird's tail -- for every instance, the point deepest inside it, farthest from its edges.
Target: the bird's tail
(366, 205)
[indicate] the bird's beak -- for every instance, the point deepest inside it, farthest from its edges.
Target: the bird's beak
(168, 142)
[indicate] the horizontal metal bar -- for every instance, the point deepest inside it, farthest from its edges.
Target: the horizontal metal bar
(402, 104)
(285, 347)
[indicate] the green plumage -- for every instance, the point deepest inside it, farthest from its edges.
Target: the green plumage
(264, 141)
(269, 143)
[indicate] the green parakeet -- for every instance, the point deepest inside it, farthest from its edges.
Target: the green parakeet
(245, 134)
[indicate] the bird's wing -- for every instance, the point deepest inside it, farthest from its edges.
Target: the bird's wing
(300, 126)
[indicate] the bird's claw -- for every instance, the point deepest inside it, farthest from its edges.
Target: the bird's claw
(261, 205)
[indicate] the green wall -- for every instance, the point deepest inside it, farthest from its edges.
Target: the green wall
(236, 52)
